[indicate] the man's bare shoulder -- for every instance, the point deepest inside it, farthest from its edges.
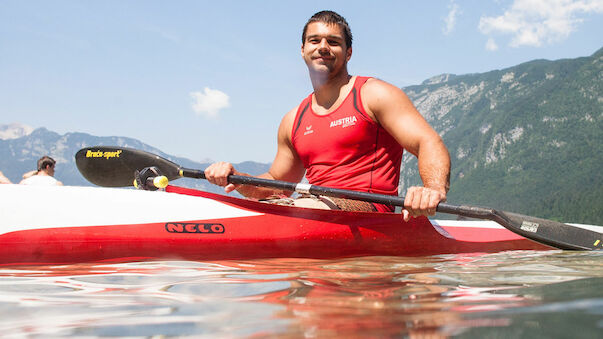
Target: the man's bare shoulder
(284, 129)
(378, 87)
(289, 117)
(379, 96)
(292, 113)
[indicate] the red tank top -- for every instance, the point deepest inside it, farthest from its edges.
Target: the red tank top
(346, 148)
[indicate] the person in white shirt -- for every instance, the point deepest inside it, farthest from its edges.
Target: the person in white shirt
(44, 175)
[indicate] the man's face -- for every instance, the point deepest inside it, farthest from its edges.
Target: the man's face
(324, 49)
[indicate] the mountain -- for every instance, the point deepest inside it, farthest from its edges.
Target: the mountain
(14, 130)
(19, 153)
(528, 138)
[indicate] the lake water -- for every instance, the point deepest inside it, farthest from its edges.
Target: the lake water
(519, 294)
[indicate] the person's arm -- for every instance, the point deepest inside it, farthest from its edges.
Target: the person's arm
(393, 110)
(3, 179)
(29, 174)
(286, 166)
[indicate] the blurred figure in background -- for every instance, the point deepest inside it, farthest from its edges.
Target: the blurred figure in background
(44, 175)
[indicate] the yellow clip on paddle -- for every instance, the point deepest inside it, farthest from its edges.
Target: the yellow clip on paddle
(161, 181)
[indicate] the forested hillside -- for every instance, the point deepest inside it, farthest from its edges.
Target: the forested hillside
(527, 138)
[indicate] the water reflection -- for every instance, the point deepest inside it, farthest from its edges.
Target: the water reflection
(470, 295)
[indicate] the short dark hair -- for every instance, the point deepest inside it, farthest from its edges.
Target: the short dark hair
(45, 161)
(330, 17)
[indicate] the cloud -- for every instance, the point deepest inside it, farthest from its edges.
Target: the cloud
(491, 45)
(538, 22)
(450, 20)
(209, 102)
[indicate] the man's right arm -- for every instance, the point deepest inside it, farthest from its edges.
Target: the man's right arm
(286, 166)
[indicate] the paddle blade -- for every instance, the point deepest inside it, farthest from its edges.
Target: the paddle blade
(553, 233)
(548, 232)
(112, 166)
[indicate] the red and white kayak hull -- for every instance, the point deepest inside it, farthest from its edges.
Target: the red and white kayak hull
(83, 224)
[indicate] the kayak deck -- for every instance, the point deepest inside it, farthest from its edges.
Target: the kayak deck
(85, 224)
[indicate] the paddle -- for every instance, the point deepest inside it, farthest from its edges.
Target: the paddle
(115, 166)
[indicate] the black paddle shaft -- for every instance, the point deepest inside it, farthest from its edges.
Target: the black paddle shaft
(549, 232)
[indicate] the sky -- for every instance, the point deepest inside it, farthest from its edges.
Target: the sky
(212, 79)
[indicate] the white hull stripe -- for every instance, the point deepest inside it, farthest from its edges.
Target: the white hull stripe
(35, 207)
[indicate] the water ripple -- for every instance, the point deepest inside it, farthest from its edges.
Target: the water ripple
(505, 294)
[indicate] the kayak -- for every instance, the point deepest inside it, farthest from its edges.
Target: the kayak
(69, 224)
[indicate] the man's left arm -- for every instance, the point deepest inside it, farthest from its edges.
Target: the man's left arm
(393, 110)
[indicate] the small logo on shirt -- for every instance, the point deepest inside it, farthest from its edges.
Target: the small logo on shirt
(309, 130)
(344, 122)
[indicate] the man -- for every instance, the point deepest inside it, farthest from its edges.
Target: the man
(44, 175)
(350, 133)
